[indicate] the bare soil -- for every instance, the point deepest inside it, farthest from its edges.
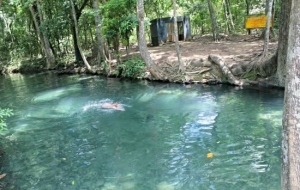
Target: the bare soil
(236, 50)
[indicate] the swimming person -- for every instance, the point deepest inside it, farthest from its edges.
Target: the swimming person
(103, 105)
(115, 106)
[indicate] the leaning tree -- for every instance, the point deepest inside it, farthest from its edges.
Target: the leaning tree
(152, 67)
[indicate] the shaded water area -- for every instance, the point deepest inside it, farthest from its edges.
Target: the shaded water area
(61, 138)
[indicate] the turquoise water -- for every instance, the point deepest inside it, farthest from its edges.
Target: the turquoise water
(61, 138)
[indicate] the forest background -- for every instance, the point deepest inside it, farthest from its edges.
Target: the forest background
(79, 36)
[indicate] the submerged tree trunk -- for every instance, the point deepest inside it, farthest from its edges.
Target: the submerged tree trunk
(77, 37)
(142, 42)
(291, 119)
(181, 64)
(215, 29)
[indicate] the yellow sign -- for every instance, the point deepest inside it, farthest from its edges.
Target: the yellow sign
(256, 21)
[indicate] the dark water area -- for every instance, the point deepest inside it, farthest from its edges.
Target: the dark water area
(61, 138)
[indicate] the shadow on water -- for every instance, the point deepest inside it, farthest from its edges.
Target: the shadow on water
(61, 138)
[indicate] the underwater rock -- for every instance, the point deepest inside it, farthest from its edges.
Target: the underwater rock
(165, 186)
(109, 186)
(44, 113)
(145, 97)
(66, 107)
(56, 93)
(128, 185)
(69, 106)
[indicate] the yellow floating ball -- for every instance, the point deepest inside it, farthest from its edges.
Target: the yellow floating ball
(210, 155)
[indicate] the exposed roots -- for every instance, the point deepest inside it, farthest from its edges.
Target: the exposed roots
(265, 70)
(226, 71)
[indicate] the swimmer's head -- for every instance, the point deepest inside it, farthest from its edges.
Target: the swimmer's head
(115, 104)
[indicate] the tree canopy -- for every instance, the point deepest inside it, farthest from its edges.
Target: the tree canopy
(34, 29)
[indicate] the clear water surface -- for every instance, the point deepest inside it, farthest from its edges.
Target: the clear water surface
(60, 138)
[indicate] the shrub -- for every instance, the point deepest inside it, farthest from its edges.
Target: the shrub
(133, 68)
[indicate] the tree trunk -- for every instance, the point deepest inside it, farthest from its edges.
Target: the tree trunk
(181, 64)
(291, 119)
(228, 16)
(282, 39)
(215, 29)
(100, 49)
(77, 37)
(34, 14)
(227, 29)
(226, 71)
(142, 42)
(38, 19)
(248, 12)
(75, 44)
(78, 12)
(49, 53)
(268, 24)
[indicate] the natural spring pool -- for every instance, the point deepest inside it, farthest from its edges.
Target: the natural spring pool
(59, 138)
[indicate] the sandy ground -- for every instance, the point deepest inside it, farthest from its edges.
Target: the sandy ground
(235, 47)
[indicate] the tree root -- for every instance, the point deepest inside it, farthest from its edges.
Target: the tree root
(199, 72)
(226, 71)
(266, 82)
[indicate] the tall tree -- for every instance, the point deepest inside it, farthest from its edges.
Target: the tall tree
(269, 4)
(77, 37)
(282, 39)
(291, 119)
(228, 16)
(100, 43)
(38, 19)
(248, 12)
(78, 12)
(180, 63)
(119, 22)
(152, 67)
(215, 29)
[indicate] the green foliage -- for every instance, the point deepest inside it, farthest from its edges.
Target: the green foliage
(119, 20)
(133, 68)
(128, 24)
(20, 40)
(4, 113)
(158, 8)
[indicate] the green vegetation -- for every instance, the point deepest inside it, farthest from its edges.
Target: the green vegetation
(133, 68)
(33, 30)
(4, 113)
